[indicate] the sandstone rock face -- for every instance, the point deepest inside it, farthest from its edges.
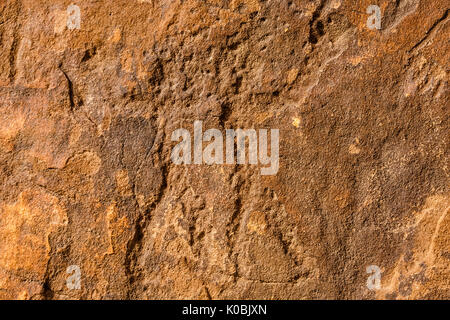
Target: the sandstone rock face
(88, 107)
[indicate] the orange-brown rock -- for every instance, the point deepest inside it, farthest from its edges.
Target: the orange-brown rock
(86, 179)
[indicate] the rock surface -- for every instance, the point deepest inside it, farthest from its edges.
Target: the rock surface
(86, 178)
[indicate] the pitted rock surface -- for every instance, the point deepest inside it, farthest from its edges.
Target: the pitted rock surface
(86, 178)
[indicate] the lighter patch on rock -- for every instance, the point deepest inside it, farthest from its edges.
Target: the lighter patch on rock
(60, 18)
(292, 75)
(116, 227)
(296, 122)
(353, 149)
(257, 223)
(122, 181)
(25, 227)
(428, 267)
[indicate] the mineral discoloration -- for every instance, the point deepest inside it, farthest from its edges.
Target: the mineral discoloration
(86, 179)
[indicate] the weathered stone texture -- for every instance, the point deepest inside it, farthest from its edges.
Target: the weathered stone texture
(86, 117)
